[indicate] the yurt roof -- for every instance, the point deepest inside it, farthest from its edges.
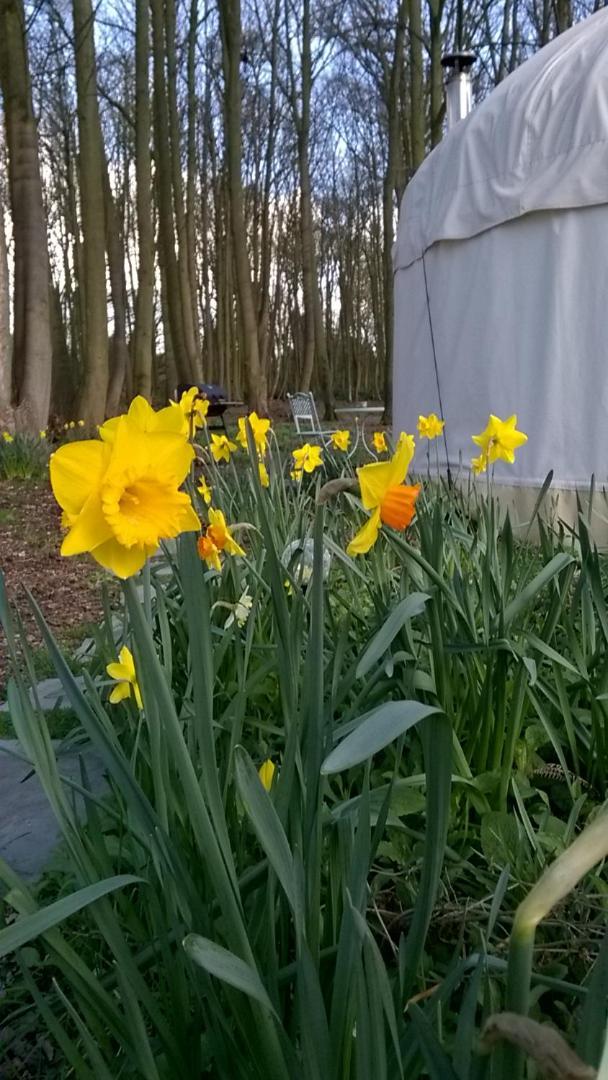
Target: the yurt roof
(538, 142)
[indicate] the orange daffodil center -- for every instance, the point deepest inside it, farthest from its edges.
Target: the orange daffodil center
(498, 442)
(384, 493)
(120, 495)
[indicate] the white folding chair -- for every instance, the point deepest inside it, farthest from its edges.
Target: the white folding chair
(306, 418)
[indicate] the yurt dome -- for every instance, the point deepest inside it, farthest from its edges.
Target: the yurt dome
(501, 269)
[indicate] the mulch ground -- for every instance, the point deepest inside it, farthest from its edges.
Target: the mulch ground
(67, 590)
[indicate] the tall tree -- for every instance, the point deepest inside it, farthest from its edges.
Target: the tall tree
(230, 28)
(32, 349)
(315, 346)
(5, 330)
(91, 167)
(144, 305)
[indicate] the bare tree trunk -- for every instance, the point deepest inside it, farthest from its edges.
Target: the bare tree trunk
(190, 230)
(388, 200)
(563, 15)
(119, 354)
(64, 381)
(91, 171)
(5, 330)
(166, 238)
(32, 349)
(144, 304)
(437, 96)
(417, 124)
(183, 277)
(230, 27)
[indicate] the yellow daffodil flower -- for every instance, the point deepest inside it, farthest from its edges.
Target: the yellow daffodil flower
(8, 438)
(307, 458)
(72, 425)
(194, 407)
(296, 474)
(429, 427)
(259, 429)
(42, 434)
(266, 773)
(143, 418)
(479, 464)
(205, 490)
(263, 472)
(222, 447)
(81, 423)
(217, 538)
(384, 493)
(340, 440)
(500, 439)
(379, 442)
(121, 497)
(124, 674)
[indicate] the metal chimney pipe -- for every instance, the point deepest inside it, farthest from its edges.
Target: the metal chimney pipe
(458, 95)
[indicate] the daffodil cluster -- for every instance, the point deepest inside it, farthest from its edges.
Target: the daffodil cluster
(194, 407)
(498, 442)
(306, 458)
(430, 427)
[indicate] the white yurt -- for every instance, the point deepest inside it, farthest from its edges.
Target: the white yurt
(501, 272)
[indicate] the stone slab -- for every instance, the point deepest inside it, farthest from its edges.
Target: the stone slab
(28, 830)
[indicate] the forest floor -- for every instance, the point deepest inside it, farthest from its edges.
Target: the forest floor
(67, 590)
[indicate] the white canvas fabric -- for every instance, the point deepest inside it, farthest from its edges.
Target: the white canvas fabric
(509, 219)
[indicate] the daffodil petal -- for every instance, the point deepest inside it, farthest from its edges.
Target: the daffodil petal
(107, 431)
(188, 520)
(374, 481)
(125, 657)
(366, 537)
(401, 459)
(88, 530)
(122, 561)
(75, 470)
(232, 548)
(118, 671)
(123, 690)
(142, 414)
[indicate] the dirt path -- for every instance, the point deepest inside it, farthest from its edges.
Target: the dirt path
(30, 537)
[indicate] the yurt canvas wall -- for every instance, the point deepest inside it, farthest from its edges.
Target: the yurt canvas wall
(501, 271)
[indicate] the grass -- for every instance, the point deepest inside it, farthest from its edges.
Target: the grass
(436, 713)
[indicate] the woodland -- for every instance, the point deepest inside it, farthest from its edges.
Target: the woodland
(201, 191)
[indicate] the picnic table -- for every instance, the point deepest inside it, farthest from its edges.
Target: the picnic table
(362, 413)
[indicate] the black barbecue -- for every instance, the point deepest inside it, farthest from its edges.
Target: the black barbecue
(216, 395)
